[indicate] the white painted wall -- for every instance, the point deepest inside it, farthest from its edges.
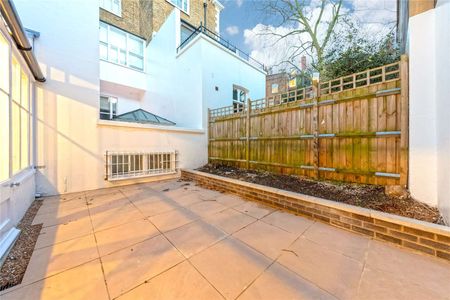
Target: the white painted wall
(122, 75)
(67, 103)
(183, 85)
(71, 141)
(429, 48)
(423, 160)
(174, 88)
(442, 90)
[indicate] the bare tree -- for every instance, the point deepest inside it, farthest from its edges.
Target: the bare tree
(312, 27)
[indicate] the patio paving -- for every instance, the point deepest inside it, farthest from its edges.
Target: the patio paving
(174, 240)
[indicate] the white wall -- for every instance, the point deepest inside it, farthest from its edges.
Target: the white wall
(67, 103)
(182, 84)
(442, 90)
(422, 109)
(222, 68)
(174, 88)
(429, 49)
(123, 76)
(70, 141)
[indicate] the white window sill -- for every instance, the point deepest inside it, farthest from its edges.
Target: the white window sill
(149, 126)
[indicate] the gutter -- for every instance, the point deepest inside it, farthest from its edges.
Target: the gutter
(12, 19)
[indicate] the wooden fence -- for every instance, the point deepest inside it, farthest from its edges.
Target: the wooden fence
(352, 129)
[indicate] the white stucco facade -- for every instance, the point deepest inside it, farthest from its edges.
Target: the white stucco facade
(71, 141)
(429, 48)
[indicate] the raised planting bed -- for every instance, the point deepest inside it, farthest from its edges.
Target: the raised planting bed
(367, 196)
(431, 239)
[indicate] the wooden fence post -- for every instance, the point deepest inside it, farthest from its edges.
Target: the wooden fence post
(315, 127)
(208, 134)
(404, 120)
(247, 133)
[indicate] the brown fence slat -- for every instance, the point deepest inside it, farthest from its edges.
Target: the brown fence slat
(353, 129)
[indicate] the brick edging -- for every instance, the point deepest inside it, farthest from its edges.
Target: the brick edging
(428, 238)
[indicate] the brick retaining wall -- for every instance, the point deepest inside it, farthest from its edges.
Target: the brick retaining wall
(431, 239)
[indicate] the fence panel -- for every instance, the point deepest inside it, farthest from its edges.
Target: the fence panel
(351, 129)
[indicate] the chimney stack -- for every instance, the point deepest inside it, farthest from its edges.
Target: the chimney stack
(303, 63)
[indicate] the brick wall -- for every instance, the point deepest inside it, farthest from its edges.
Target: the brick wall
(130, 19)
(282, 79)
(162, 9)
(430, 239)
(143, 17)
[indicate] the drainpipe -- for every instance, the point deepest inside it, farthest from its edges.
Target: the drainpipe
(12, 19)
(205, 5)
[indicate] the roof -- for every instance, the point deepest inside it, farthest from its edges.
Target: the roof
(143, 117)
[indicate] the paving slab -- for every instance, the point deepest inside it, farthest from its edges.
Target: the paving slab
(173, 219)
(335, 239)
(79, 283)
(132, 266)
(60, 233)
(181, 282)
(194, 237)
(57, 258)
(265, 238)
(280, 283)
(175, 240)
(333, 272)
(231, 266)
(255, 210)
(230, 220)
(124, 235)
(289, 222)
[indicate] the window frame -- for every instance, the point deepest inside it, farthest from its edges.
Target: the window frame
(188, 5)
(239, 104)
(275, 88)
(25, 133)
(103, 6)
(111, 112)
(128, 52)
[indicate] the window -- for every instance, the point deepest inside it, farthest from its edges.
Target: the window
(113, 6)
(108, 107)
(121, 47)
(274, 88)
(293, 83)
(239, 98)
(186, 32)
(123, 165)
(126, 165)
(181, 4)
(4, 108)
(14, 113)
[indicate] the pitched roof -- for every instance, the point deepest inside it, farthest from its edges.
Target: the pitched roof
(142, 116)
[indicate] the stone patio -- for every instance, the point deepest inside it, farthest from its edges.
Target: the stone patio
(174, 240)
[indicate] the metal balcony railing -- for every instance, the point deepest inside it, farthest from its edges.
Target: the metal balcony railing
(225, 43)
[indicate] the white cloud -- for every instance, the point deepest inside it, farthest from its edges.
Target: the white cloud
(232, 30)
(373, 15)
(239, 2)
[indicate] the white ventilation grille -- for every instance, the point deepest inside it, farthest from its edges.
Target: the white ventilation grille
(126, 165)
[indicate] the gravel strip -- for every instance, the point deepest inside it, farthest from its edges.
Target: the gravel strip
(15, 265)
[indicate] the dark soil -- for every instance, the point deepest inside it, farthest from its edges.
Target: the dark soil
(15, 265)
(367, 196)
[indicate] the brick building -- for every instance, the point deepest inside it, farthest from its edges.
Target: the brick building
(143, 17)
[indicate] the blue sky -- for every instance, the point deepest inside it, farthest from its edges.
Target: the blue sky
(241, 15)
